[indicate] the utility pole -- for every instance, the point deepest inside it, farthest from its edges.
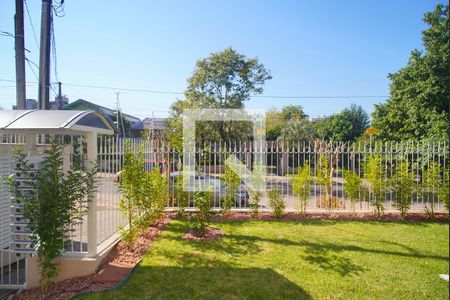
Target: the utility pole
(44, 55)
(119, 122)
(20, 55)
(60, 102)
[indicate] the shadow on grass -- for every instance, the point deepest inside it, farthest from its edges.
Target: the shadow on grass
(326, 255)
(208, 283)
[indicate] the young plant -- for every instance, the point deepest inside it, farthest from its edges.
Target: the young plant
(258, 180)
(352, 186)
(276, 202)
(232, 182)
(56, 203)
(375, 176)
(181, 196)
(203, 203)
(432, 186)
(444, 190)
(325, 180)
(155, 197)
(402, 185)
(132, 183)
(301, 186)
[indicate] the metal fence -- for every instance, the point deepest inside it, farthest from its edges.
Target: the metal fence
(282, 160)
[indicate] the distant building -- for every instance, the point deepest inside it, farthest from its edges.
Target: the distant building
(29, 104)
(54, 105)
(128, 120)
(154, 126)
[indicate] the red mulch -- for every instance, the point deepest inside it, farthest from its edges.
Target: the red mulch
(338, 216)
(211, 234)
(122, 254)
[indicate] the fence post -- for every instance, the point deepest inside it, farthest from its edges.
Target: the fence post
(92, 204)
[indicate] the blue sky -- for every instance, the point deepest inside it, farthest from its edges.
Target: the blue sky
(313, 48)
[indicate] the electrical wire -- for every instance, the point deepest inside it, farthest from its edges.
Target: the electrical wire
(254, 96)
(31, 22)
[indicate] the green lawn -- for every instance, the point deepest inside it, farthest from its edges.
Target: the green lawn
(295, 260)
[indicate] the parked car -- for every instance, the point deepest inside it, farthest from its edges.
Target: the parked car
(150, 165)
(217, 185)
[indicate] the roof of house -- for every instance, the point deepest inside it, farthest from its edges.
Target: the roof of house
(82, 104)
(55, 119)
(150, 123)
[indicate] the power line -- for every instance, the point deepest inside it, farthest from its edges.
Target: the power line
(124, 89)
(181, 93)
(32, 26)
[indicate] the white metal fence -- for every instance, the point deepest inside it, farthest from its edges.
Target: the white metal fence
(282, 161)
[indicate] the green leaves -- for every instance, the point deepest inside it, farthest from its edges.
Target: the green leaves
(418, 107)
(376, 177)
(276, 202)
(144, 192)
(55, 206)
(301, 186)
(402, 185)
(352, 186)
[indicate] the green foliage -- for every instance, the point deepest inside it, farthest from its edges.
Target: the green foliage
(444, 189)
(144, 194)
(289, 116)
(203, 203)
(258, 180)
(225, 79)
(276, 202)
(376, 177)
(301, 186)
(402, 184)
(295, 131)
(325, 179)
(434, 186)
(232, 183)
(352, 186)
(181, 196)
(418, 104)
(347, 125)
(56, 203)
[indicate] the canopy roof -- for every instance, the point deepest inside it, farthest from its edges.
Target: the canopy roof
(87, 121)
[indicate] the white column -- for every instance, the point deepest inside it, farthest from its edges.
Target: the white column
(92, 205)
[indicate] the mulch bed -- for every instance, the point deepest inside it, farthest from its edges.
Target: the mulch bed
(338, 216)
(211, 234)
(122, 255)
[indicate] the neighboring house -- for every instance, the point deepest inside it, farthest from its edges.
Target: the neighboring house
(29, 104)
(128, 120)
(154, 126)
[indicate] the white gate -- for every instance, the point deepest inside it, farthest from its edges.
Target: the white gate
(12, 265)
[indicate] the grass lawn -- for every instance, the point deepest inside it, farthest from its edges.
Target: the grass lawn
(295, 260)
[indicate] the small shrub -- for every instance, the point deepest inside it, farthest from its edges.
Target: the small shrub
(435, 186)
(444, 190)
(301, 186)
(181, 196)
(276, 202)
(56, 203)
(203, 203)
(352, 186)
(258, 180)
(402, 185)
(144, 194)
(325, 179)
(232, 182)
(375, 175)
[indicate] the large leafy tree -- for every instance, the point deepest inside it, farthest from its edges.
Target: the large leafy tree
(417, 107)
(347, 125)
(224, 80)
(284, 121)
